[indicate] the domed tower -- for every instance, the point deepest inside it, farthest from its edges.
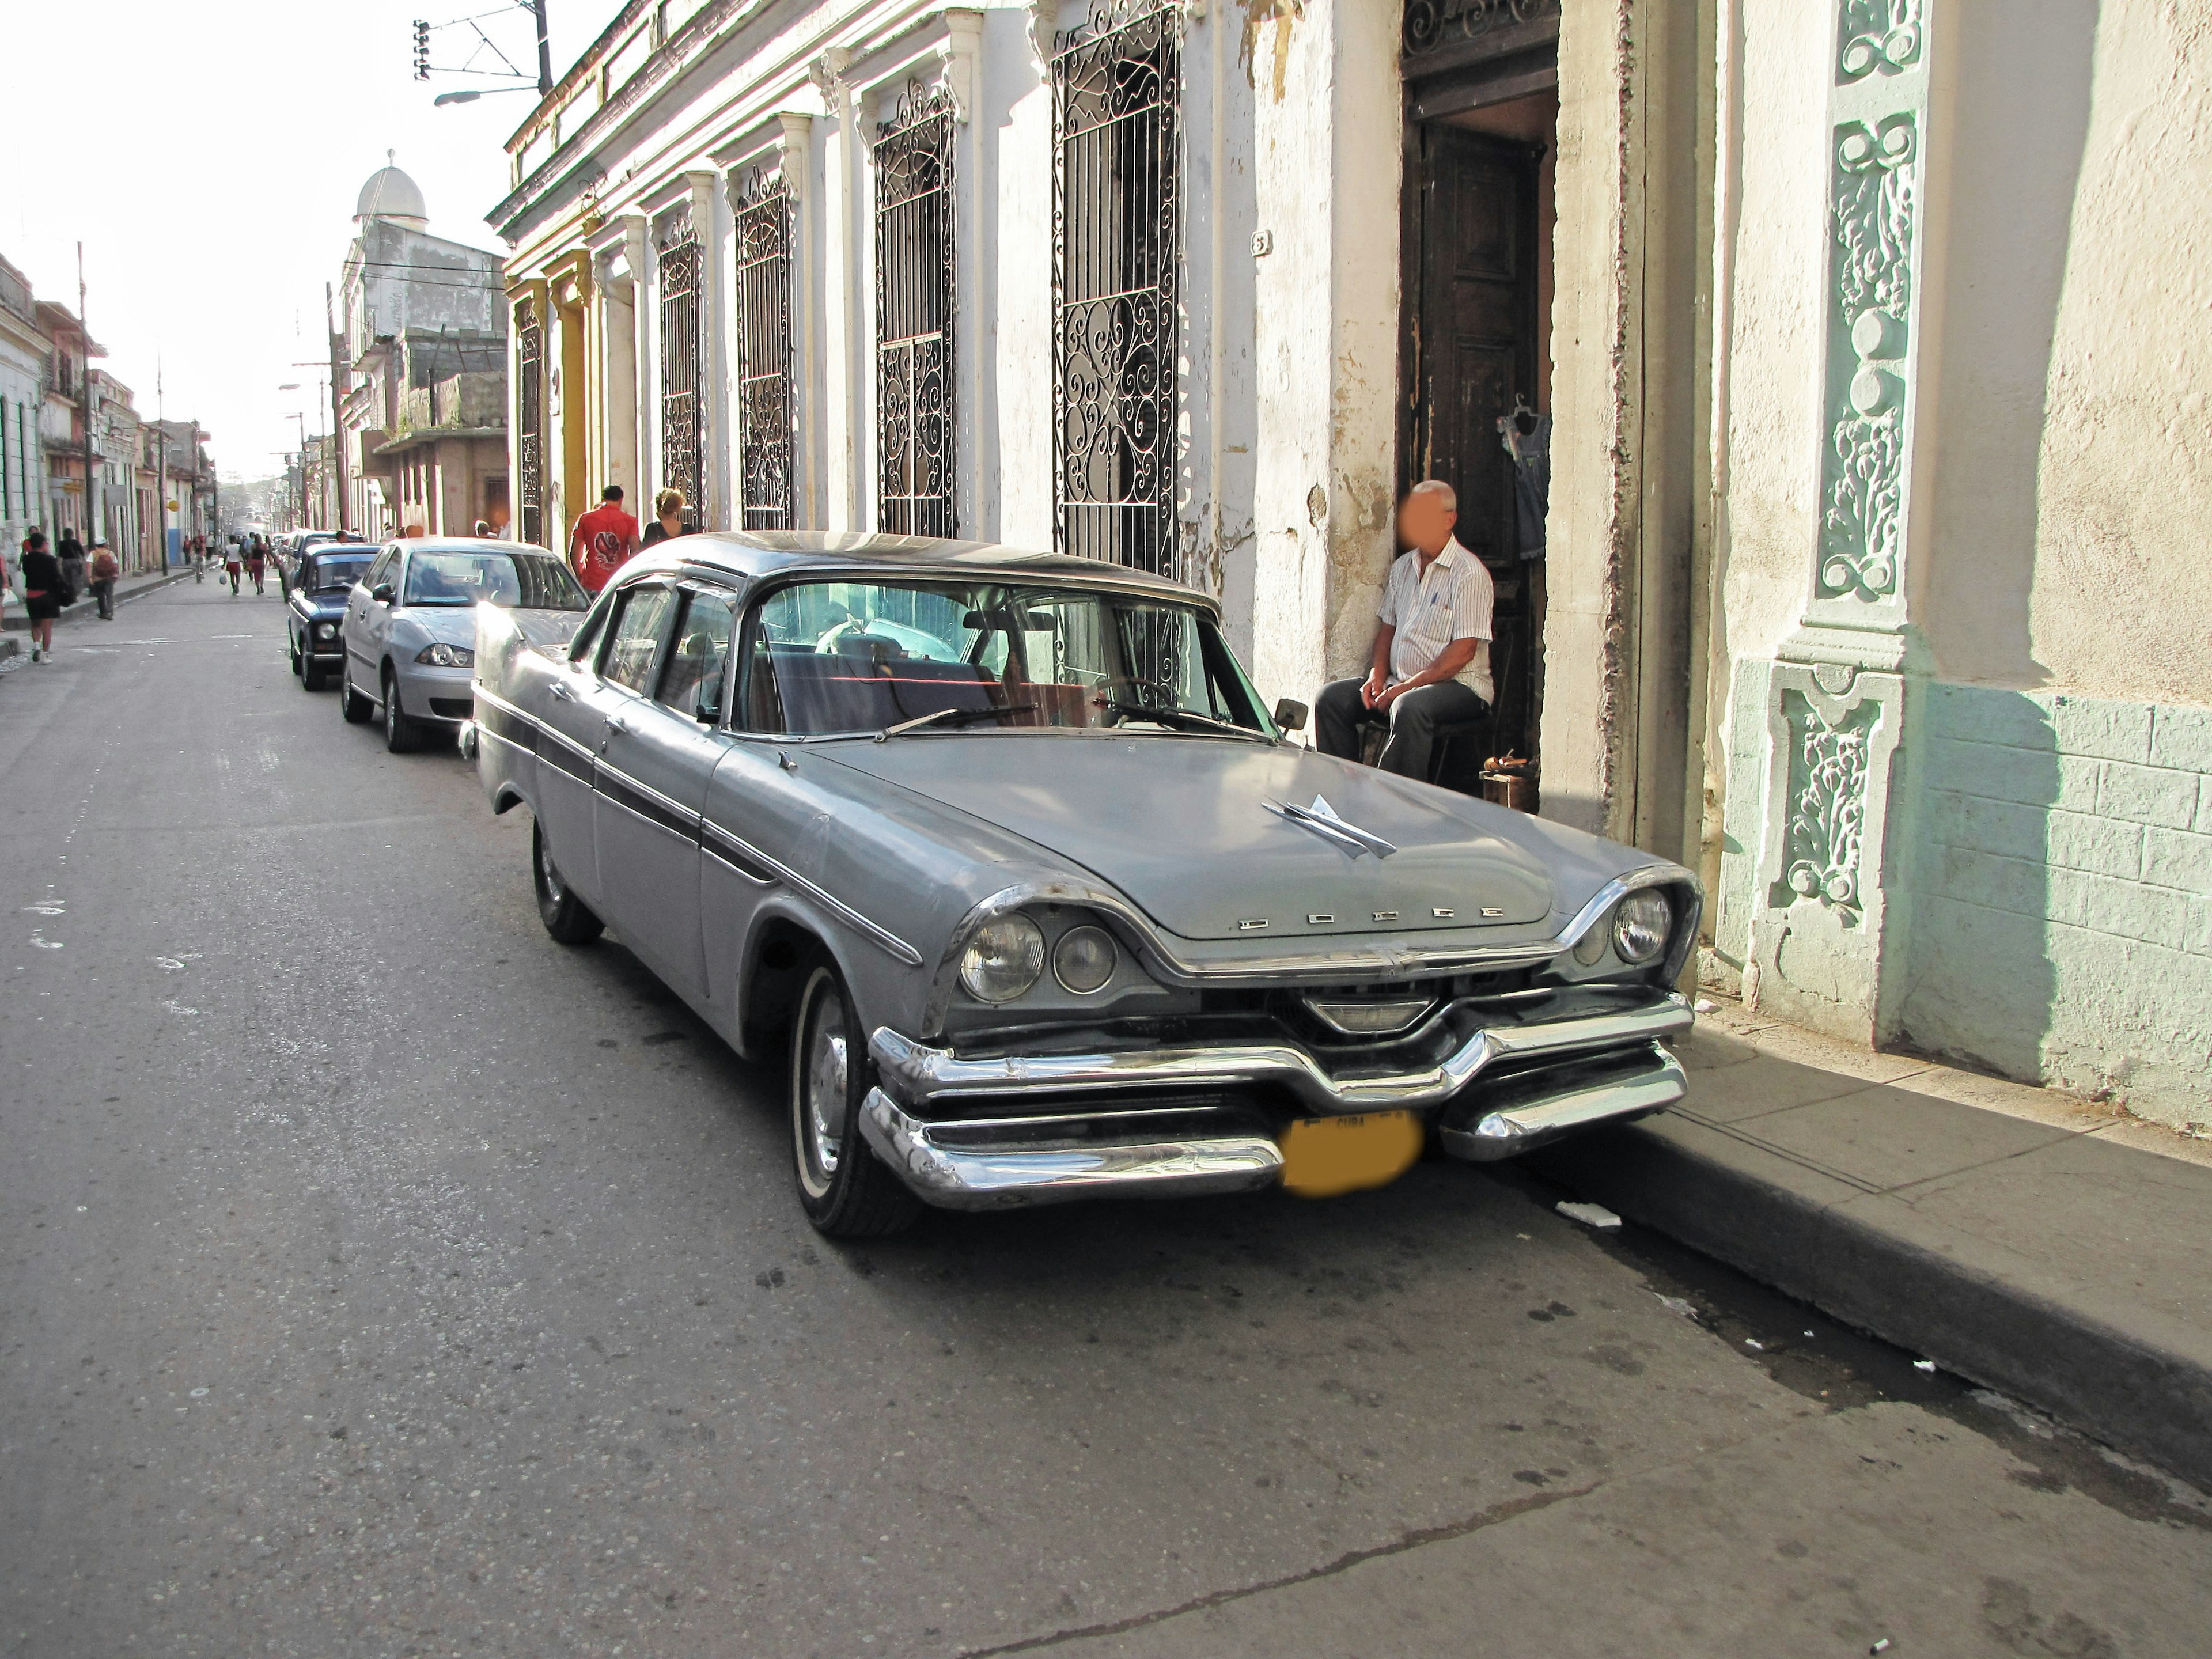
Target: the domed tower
(391, 194)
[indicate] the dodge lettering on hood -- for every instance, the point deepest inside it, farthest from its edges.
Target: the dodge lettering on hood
(1001, 850)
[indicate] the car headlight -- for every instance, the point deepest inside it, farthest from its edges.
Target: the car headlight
(1085, 959)
(326, 630)
(441, 655)
(1003, 958)
(1640, 926)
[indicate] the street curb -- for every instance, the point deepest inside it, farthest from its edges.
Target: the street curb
(2128, 1388)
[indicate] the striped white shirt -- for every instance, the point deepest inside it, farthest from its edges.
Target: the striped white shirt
(1451, 601)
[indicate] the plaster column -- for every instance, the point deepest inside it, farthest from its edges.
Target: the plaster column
(1327, 140)
(712, 225)
(614, 333)
(844, 340)
(1824, 803)
(796, 150)
(961, 70)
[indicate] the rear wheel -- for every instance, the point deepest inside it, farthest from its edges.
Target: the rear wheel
(845, 1189)
(402, 736)
(356, 708)
(567, 917)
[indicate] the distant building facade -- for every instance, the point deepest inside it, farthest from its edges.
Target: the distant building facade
(423, 356)
(24, 353)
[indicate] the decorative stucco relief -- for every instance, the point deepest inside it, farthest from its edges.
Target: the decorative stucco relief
(1877, 36)
(1828, 798)
(1874, 184)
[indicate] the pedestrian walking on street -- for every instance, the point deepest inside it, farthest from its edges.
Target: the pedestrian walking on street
(199, 558)
(256, 560)
(604, 540)
(71, 554)
(42, 595)
(233, 560)
(668, 523)
(105, 568)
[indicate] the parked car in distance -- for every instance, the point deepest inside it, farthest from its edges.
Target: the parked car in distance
(409, 628)
(315, 607)
(1002, 849)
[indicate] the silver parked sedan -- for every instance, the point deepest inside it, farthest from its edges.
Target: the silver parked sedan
(1002, 849)
(411, 627)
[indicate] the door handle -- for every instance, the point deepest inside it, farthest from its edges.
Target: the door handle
(616, 723)
(562, 693)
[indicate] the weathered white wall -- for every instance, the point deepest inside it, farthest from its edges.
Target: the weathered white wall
(2077, 481)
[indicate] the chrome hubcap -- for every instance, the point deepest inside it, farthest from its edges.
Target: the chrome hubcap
(825, 1086)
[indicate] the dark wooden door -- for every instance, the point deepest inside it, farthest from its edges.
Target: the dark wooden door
(1472, 352)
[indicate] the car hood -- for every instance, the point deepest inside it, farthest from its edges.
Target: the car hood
(548, 631)
(1182, 827)
(322, 607)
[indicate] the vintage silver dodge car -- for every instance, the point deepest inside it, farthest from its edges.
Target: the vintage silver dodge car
(1003, 850)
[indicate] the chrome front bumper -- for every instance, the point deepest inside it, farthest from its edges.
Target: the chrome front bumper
(1549, 1078)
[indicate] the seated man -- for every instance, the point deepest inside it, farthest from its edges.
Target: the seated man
(1432, 660)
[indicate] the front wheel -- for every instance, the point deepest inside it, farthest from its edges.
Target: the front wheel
(402, 736)
(298, 662)
(356, 708)
(844, 1188)
(567, 917)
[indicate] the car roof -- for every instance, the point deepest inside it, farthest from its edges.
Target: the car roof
(755, 554)
(465, 544)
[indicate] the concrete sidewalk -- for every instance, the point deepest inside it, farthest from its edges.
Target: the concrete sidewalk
(2043, 1246)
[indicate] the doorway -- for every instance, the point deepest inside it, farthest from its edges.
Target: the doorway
(1479, 213)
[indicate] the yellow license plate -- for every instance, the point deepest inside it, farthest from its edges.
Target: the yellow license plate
(1325, 1156)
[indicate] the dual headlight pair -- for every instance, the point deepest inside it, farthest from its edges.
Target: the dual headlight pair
(1006, 955)
(441, 655)
(1641, 923)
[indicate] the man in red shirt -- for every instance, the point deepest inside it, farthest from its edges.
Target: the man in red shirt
(602, 541)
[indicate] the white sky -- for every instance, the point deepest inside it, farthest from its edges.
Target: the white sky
(209, 157)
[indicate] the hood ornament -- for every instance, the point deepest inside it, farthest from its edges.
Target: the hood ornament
(1321, 819)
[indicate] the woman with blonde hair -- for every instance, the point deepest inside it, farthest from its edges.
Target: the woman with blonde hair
(668, 512)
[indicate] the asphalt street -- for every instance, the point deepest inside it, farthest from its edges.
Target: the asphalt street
(381, 1278)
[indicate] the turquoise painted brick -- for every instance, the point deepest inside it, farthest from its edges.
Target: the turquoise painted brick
(2017, 886)
(2145, 795)
(2124, 910)
(2010, 829)
(2181, 739)
(2107, 731)
(1997, 773)
(2174, 858)
(1983, 714)
(2107, 846)
(2205, 805)
(2200, 927)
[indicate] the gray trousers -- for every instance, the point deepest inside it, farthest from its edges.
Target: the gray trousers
(1413, 718)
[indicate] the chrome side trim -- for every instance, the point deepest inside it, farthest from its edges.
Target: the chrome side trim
(881, 937)
(1522, 1113)
(1002, 1176)
(924, 1073)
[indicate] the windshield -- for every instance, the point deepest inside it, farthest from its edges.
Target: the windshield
(863, 656)
(526, 581)
(334, 575)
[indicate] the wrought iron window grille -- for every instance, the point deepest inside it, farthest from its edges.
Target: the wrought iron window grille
(915, 439)
(1432, 24)
(530, 439)
(682, 434)
(1116, 212)
(766, 408)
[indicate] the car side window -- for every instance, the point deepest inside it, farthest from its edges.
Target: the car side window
(381, 571)
(761, 708)
(638, 628)
(698, 654)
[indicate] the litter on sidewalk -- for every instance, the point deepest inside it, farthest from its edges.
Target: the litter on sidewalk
(1591, 1215)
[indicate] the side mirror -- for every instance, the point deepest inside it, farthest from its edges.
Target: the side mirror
(381, 594)
(1290, 716)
